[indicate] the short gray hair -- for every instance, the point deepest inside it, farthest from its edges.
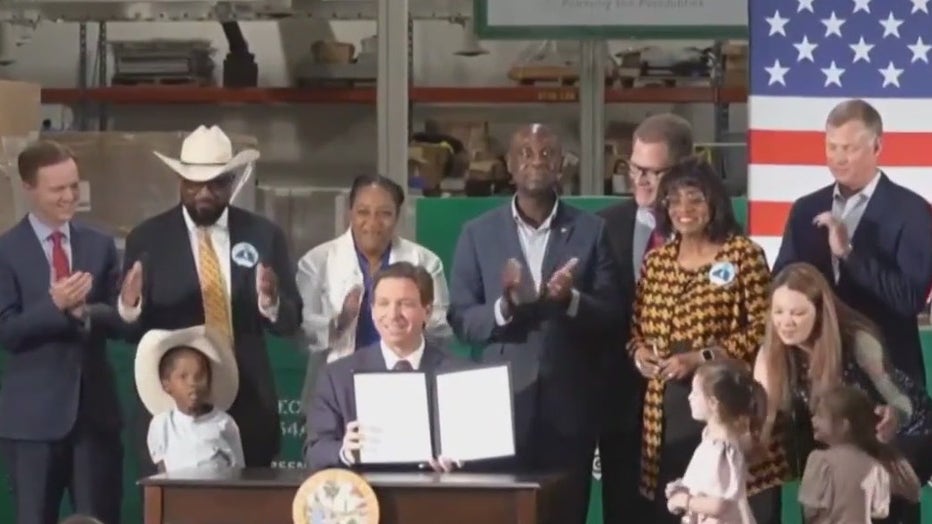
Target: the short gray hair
(856, 110)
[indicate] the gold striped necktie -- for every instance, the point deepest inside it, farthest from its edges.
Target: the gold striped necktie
(213, 287)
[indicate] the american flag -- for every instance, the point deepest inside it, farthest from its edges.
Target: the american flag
(808, 55)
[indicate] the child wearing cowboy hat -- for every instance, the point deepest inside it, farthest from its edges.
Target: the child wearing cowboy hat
(188, 379)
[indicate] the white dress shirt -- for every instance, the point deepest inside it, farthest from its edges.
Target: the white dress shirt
(644, 224)
(850, 211)
(219, 233)
(392, 358)
(533, 242)
(181, 441)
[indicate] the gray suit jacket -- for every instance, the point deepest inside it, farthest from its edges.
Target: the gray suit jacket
(554, 357)
(56, 367)
(334, 405)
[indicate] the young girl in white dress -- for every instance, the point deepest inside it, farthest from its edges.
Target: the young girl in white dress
(733, 405)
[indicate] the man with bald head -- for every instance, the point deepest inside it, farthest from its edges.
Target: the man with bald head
(534, 285)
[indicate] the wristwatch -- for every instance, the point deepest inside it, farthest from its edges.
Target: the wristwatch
(707, 354)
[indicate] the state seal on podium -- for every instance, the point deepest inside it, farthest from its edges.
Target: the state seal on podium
(335, 496)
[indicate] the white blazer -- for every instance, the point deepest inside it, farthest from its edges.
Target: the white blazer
(329, 271)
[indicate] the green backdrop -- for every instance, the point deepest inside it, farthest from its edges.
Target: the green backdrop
(438, 225)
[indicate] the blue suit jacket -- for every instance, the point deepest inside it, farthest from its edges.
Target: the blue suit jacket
(888, 274)
(554, 358)
(56, 366)
(333, 405)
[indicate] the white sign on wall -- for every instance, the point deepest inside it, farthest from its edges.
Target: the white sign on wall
(621, 18)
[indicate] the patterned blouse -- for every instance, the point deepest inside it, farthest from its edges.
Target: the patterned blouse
(723, 304)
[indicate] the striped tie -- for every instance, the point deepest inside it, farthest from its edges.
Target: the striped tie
(213, 287)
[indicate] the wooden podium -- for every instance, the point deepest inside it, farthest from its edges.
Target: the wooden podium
(264, 496)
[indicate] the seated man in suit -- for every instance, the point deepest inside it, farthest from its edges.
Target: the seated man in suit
(403, 295)
(534, 284)
(867, 234)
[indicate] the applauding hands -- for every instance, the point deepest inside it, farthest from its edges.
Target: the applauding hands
(70, 294)
(557, 289)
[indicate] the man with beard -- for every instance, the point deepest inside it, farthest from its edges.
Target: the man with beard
(533, 283)
(660, 142)
(207, 262)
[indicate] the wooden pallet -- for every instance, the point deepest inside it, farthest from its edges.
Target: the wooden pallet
(171, 80)
(663, 81)
(562, 82)
(336, 82)
(548, 75)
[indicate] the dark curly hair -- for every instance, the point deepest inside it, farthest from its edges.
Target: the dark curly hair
(699, 175)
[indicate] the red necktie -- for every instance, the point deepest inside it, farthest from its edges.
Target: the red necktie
(60, 264)
(656, 240)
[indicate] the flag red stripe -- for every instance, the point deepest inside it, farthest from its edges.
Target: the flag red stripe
(766, 219)
(808, 147)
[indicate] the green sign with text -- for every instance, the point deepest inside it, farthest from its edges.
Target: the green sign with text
(582, 19)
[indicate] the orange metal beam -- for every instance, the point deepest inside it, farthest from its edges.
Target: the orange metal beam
(367, 95)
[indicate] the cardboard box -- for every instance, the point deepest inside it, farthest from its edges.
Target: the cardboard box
(20, 108)
(429, 161)
(20, 120)
(325, 52)
(473, 134)
(735, 55)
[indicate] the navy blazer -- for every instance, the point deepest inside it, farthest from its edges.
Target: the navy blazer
(554, 358)
(334, 405)
(56, 366)
(888, 274)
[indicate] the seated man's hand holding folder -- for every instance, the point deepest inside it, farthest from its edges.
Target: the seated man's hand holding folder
(354, 440)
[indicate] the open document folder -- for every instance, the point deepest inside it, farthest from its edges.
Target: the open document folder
(410, 417)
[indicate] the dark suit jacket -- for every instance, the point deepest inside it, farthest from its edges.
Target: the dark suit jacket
(334, 405)
(622, 384)
(56, 367)
(553, 357)
(172, 300)
(888, 274)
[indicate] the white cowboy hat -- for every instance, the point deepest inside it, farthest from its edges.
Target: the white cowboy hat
(224, 374)
(207, 154)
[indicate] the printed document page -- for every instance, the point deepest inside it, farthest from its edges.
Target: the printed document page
(394, 417)
(475, 415)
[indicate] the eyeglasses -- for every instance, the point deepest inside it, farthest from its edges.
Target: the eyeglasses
(652, 173)
(687, 201)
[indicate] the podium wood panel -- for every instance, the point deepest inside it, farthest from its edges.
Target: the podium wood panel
(264, 496)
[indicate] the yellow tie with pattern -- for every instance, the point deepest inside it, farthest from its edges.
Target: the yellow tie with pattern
(213, 287)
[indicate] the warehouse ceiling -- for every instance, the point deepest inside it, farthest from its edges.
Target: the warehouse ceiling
(32, 11)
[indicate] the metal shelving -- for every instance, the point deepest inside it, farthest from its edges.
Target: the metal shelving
(394, 19)
(140, 95)
(31, 11)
